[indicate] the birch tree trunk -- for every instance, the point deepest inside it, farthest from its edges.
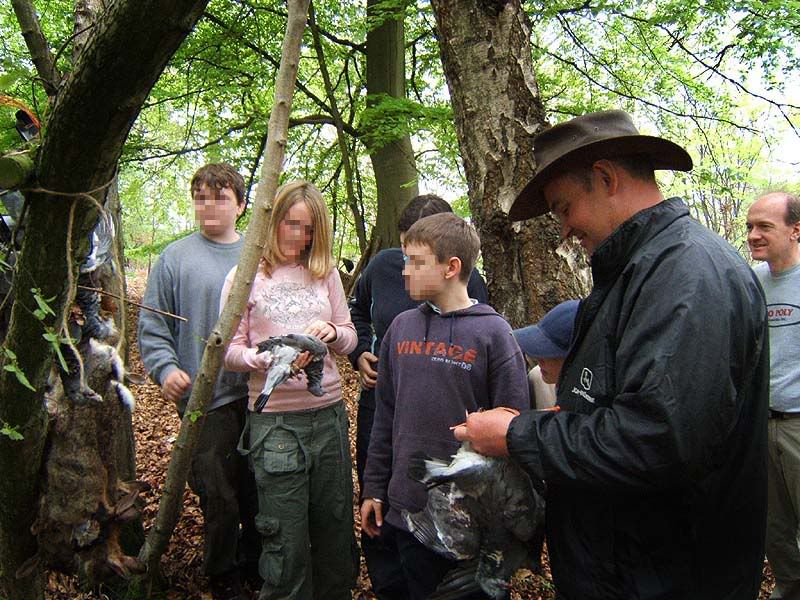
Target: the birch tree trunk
(171, 502)
(486, 53)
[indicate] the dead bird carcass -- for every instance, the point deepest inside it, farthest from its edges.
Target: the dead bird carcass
(285, 349)
(480, 509)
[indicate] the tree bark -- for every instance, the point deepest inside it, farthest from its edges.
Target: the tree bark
(37, 45)
(486, 53)
(171, 502)
(393, 162)
(89, 122)
(15, 169)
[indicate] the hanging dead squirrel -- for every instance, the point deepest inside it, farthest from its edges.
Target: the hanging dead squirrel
(84, 502)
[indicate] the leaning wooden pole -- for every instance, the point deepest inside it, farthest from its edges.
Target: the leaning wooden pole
(169, 507)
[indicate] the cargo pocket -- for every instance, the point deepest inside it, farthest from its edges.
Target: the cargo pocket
(280, 452)
(270, 563)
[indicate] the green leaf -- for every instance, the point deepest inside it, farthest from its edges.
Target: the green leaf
(23, 380)
(8, 80)
(43, 302)
(61, 360)
(10, 353)
(11, 432)
(194, 415)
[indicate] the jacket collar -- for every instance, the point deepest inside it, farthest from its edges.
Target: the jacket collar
(617, 249)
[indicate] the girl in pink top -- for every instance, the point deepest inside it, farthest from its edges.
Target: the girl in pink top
(298, 444)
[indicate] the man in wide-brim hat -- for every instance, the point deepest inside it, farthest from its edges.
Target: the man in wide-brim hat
(655, 464)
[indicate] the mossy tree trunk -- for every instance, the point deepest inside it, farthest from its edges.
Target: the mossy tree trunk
(393, 161)
(89, 121)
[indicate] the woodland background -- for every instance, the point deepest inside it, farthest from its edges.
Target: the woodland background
(392, 98)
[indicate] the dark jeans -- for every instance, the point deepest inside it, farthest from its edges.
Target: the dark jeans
(424, 569)
(220, 476)
(380, 554)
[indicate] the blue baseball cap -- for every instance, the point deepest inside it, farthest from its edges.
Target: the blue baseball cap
(551, 336)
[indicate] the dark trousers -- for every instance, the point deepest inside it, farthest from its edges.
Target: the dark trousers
(221, 478)
(424, 569)
(380, 554)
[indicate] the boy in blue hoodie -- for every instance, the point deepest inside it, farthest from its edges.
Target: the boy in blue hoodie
(449, 356)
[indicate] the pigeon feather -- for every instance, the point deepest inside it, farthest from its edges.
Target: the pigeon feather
(284, 350)
(482, 510)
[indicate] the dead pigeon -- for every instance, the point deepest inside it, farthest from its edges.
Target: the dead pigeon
(285, 349)
(481, 510)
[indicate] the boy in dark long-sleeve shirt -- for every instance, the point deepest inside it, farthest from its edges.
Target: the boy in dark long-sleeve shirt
(437, 361)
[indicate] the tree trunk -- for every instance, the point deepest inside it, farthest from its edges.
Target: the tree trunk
(171, 502)
(393, 163)
(486, 53)
(88, 125)
(344, 150)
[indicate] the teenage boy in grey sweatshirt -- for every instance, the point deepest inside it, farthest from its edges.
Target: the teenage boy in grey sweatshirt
(187, 280)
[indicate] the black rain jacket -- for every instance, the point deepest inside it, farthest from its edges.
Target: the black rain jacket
(656, 464)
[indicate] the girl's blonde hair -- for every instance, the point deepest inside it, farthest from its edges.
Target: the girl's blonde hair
(317, 258)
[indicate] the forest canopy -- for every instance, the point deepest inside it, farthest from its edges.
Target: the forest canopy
(717, 76)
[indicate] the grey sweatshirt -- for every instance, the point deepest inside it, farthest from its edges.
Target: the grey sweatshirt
(783, 311)
(187, 280)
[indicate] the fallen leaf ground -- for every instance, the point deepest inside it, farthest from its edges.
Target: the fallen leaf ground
(156, 427)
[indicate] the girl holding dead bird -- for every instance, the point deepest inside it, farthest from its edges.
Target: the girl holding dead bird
(298, 443)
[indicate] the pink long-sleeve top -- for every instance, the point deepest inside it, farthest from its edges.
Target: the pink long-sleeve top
(287, 302)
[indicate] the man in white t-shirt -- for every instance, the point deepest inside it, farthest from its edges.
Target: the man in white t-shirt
(773, 230)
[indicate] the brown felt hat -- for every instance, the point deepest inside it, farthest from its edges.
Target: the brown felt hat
(605, 134)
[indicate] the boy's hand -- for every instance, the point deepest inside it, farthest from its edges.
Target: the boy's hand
(371, 517)
(367, 372)
(175, 385)
(323, 330)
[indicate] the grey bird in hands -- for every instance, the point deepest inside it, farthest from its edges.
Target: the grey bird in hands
(285, 349)
(483, 511)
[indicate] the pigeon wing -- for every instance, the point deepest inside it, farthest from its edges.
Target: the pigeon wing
(459, 582)
(446, 524)
(279, 371)
(314, 371)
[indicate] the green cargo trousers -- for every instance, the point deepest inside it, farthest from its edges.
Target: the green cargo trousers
(305, 503)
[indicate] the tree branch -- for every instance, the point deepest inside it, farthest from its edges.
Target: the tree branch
(187, 150)
(274, 62)
(37, 45)
(347, 160)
